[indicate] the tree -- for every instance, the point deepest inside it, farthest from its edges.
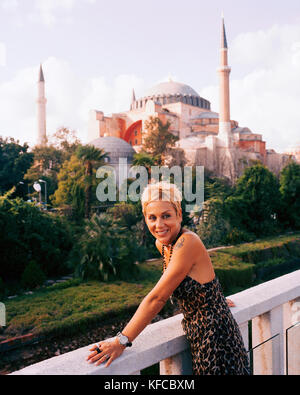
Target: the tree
(14, 162)
(66, 141)
(89, 156)
(48, 160)
(70, 191)
(158, 139)
(146, 160)
(216, 187)
(47, 163)
(290, 195)
(255, 203)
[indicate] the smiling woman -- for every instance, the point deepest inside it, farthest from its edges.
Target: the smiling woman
(215, 341)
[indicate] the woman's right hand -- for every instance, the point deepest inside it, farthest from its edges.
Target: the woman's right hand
(109, 351)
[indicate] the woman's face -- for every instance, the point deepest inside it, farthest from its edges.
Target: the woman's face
(163, 221)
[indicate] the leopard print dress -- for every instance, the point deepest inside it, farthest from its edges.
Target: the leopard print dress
(215, 340)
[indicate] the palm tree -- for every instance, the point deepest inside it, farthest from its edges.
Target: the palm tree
(90, 155)
(146, 160)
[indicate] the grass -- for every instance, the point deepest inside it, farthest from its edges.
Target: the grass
(75, 304)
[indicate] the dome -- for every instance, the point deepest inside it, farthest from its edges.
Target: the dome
(171, 88)
(171, 92)
(242, 130)
(115, 147)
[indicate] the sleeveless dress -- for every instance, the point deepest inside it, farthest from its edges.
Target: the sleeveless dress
(215, 340)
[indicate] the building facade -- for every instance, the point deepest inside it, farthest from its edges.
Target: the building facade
(205, 137)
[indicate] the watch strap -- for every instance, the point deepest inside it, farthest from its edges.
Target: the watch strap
(128, 344)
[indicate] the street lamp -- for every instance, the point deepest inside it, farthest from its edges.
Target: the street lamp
(37, 188)
(45, 182)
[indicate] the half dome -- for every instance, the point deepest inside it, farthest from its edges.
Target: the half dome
(115, 148)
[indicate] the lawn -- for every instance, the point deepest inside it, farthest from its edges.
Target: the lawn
(74, 305)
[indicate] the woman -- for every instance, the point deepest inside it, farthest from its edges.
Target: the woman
(215, 341)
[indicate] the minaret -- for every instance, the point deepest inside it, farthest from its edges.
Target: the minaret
(132, 100)
(41, 110)
(224, 113)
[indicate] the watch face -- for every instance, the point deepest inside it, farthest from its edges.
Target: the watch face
(123, 339)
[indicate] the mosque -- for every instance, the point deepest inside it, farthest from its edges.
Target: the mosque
(206, 138)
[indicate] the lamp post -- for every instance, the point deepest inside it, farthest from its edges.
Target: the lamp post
(45, 182)
(37, 187)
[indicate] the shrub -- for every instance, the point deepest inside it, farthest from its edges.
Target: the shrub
(232, 272)
(31, 235)
(107, 251)
(33, 276)
(237, 236)
(213, 228)
(126, 213)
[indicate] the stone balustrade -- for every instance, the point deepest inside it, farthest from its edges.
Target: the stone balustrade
(268, 316)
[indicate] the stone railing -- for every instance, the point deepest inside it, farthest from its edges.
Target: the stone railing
(268, 316)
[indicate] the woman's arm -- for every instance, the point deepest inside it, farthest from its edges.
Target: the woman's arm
(183, 257)
(182, 260)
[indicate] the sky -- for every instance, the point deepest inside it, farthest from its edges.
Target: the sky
(94, 52)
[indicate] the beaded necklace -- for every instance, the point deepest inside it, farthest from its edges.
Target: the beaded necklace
(171, 250)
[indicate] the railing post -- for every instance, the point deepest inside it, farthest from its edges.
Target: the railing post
(262, 355)
(179, 364)
(268, 357)
(277, 327)
(292, 346)
(245, 334)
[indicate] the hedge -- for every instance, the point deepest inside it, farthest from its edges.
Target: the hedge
(249, 264)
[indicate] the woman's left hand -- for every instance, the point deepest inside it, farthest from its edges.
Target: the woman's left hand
(230, 303)
(109, 352)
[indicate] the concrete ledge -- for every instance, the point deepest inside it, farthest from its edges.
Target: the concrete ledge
(166, 338)
(157, 342)
(264, 297)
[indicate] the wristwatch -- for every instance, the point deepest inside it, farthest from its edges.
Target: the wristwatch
(123, 340)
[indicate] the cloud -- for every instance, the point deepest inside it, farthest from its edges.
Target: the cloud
(110, 98)
(69, 99)
(18, 100)
(9, 5)
(2, 54)
(50, 11)
(266, 99)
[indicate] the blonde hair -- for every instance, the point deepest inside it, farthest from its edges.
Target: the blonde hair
(162, 191)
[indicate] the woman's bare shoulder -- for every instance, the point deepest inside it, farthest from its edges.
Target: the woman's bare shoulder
(190, 238)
